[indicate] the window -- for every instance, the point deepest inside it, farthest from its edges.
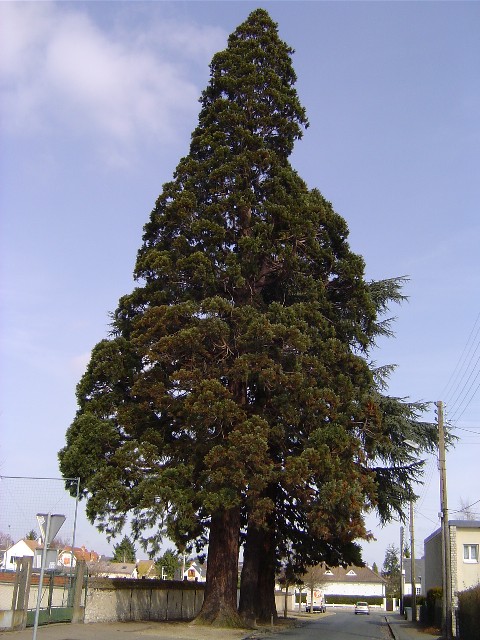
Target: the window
(470, 552)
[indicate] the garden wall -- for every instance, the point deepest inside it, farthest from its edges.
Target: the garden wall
(119, 599)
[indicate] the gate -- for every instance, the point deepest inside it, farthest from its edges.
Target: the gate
(62, 597)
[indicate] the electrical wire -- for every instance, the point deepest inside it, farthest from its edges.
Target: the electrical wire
(464, 383)
(447, 395)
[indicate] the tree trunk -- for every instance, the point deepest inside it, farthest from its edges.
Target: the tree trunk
(266, 607)
(250, 570)
(220, 603)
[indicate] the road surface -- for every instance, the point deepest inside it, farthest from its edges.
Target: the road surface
(340, 625)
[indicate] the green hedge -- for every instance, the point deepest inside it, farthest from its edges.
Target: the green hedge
(433, 595)
(407, 601)
(469, 613)
(372, 600)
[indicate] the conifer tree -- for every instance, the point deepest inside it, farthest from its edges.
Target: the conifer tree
(124, 551)
(234, 396)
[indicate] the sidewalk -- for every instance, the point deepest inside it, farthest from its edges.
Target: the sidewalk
(405, 630)
(129, 631)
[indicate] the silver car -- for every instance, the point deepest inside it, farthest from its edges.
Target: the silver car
(362, 607)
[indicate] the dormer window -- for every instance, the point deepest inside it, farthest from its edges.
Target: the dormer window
(351, 573)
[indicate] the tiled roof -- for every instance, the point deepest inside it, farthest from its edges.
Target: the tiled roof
(81, 553)
(33, 544)
(350, 574)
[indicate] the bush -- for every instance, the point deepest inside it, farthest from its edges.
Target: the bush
(407, 601)
(469, 613)
(372, 600)
(433, 595)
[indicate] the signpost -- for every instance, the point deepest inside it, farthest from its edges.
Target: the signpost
(49, 526)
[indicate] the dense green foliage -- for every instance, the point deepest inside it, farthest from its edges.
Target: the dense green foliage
(167, 564)
(469, 613)
(235, 393)
(124, 551)
(433, 605)
(343, 599)
(391, 571)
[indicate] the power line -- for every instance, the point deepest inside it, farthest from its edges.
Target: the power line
(460, 362)
(464, 384)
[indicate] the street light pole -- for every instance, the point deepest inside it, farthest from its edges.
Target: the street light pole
(402, 590)
(446, 557)
(412, 566)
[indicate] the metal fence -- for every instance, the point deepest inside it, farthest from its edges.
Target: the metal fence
(21, 499)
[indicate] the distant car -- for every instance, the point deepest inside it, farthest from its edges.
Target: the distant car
(316, 607)
(362, 607)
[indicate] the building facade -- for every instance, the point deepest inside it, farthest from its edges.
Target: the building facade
(464, 556)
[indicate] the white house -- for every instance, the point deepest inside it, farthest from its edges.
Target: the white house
(20, 549)
(68, 558)
(30, 548)
(352, 581)
(419, 577)
(117, 570)
(195, 572)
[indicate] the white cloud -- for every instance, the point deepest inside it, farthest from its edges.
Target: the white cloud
(61, 71)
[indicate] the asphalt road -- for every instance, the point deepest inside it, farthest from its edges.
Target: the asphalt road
(340, 625)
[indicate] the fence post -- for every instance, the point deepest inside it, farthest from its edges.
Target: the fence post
(80, 573)
(21, 592)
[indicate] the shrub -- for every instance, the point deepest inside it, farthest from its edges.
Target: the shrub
(341, 599)
(433, 595)
(469, 613)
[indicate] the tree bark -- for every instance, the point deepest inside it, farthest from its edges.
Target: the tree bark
(220, 603)
(257, 587)
(266, 607)
(249, 579)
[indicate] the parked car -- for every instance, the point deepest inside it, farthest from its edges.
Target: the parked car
(362, 607)
(316, 607)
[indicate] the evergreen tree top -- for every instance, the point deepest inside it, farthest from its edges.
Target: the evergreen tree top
(252, 88)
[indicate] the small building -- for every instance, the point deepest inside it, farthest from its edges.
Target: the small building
(419, 577)
(68, 557)
(195, 572)
(117, 570)
(357, 582)
(464, 556)
(29, 548)
(147, 569)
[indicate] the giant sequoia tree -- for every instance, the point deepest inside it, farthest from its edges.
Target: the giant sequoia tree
(234, 400)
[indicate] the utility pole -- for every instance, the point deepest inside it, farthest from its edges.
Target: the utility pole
(412, 566)
(446, 557)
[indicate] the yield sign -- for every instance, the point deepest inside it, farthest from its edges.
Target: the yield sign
(51, 528)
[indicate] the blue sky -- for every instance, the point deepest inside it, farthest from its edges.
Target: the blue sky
(98, 100)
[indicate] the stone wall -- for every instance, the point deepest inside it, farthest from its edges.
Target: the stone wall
(118, 599)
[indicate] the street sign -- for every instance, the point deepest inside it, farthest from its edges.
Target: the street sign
(56, 521)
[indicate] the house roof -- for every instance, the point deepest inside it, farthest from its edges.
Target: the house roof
(351, 573)
(419, 569)
(201, 569)
(81, 553)
(147, 568)
(32, 544)
(459, 524)
(122, 568)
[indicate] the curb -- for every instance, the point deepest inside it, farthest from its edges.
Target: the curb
(392, 633)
